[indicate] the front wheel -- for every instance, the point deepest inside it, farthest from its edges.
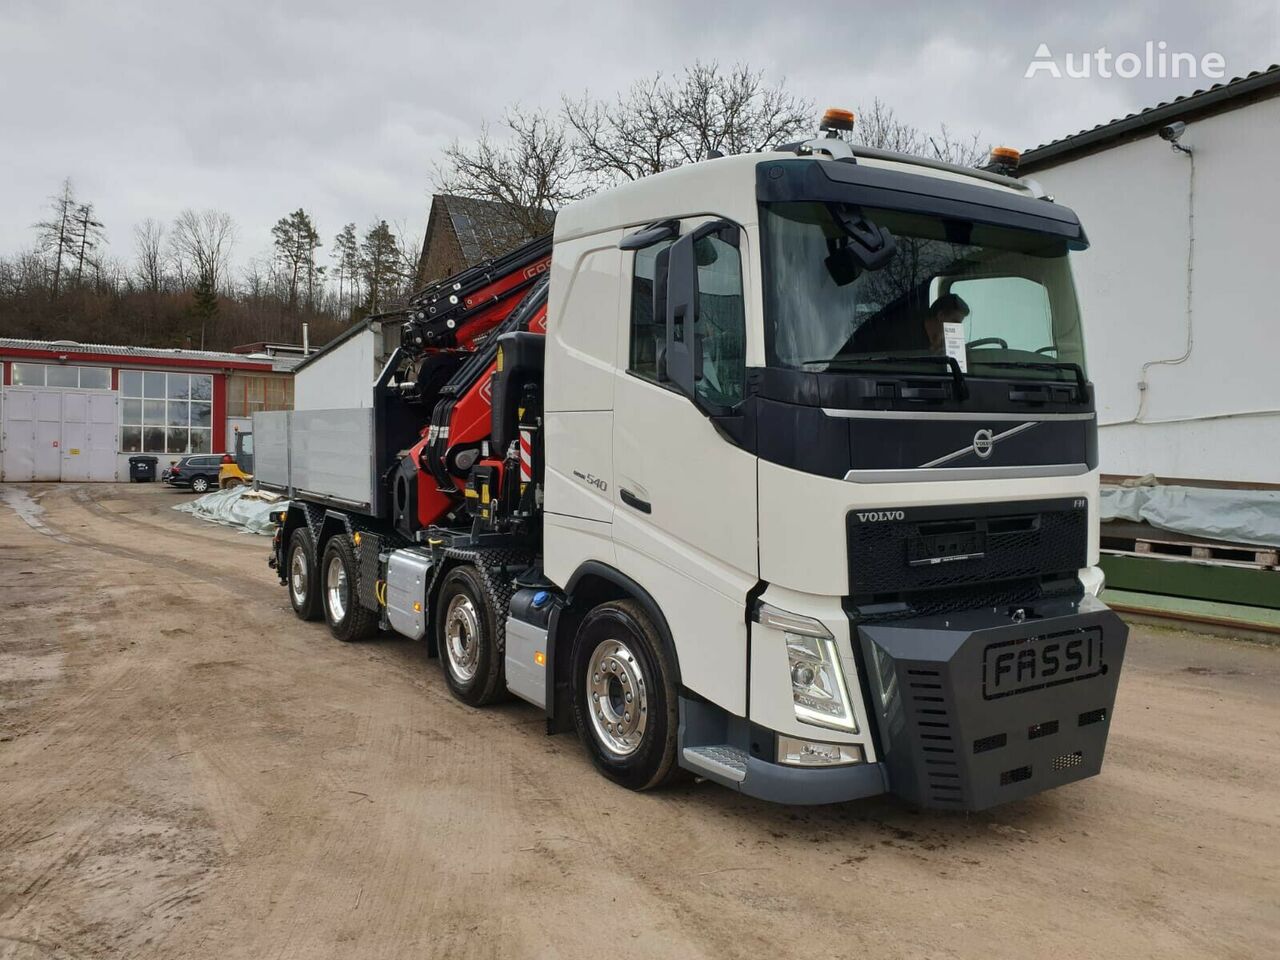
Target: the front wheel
(199, 484)
(624, 697)
(348, 619)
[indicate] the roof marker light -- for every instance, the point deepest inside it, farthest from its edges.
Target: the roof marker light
(836, 119)
(1005, 160)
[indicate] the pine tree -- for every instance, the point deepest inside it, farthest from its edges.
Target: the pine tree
(346, 250)
(296, 242)
(379, 265)
(204, 306)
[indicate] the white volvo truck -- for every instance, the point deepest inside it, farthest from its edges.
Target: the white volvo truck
(783, 473)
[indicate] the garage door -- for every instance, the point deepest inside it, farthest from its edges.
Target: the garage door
(58, 435)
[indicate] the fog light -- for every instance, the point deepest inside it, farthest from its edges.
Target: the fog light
(808, 753)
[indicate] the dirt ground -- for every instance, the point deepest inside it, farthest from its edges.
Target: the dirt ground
(187, 770)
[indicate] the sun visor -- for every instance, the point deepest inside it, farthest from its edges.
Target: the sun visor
(827, 181)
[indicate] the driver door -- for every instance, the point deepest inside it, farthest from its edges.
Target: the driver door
(685, 522)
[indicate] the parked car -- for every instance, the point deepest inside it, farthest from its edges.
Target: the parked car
(198, 471)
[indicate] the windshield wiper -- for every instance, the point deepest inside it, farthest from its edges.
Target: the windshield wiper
(957, 375)
(1082, 385)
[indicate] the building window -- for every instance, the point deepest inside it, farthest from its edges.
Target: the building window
(247, 395)
(166, 412)
(61, 375)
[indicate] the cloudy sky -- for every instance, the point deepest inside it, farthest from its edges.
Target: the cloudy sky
(258, 108)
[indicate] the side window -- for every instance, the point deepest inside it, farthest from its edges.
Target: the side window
(721, 322)
(648, 333)
(1012, 310)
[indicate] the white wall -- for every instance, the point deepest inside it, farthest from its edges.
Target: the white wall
(341, 378)
(1217, 415)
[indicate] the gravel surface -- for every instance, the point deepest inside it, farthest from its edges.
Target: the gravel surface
(187, 770)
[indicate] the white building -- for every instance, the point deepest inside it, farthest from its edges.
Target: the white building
(1182, 315)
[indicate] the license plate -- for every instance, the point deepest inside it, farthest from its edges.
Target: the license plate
(937, 548)
(1020, 666)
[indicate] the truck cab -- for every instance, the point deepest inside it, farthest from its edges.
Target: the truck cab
(765, 440)
(791, 483)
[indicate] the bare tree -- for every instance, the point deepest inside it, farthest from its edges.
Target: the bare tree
(879, 126)
(201, 243)
(148, 255)
(409, 245)
(662, 123)
(56, 235)
(526, 176)
(87, 235)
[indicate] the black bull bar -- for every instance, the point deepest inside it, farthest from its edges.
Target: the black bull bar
(987, 706)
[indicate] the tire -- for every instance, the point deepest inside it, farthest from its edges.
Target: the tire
(304, 594)
(467, 638)
(199, 484)
(347, 618)
(231, 483)
(619, 663)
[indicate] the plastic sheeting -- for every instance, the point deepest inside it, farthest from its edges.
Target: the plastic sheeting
(1234, 516)
(238, 507)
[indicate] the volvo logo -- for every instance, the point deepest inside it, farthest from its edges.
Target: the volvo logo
(881, 515)
(983, 442)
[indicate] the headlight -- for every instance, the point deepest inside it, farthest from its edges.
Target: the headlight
(817, 680)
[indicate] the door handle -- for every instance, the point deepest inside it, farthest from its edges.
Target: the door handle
(631, 500)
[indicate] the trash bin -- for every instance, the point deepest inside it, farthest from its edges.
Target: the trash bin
(142, 469)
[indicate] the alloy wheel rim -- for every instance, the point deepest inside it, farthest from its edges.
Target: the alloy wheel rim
(335, 582)
(462, 638)
(298, 576)
(617, 697)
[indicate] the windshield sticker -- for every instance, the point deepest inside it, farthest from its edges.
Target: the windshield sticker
(953, 343)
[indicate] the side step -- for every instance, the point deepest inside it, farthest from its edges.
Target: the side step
(720, 761)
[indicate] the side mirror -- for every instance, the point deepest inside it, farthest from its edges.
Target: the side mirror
(676, 283)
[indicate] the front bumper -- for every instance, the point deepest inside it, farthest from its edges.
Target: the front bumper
(979, 708)
(740, 755)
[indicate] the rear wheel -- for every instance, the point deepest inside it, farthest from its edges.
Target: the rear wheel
(348, 619)
(467, 638)
(231, 483)
(624, 696)
(304, 593)
(199, 484)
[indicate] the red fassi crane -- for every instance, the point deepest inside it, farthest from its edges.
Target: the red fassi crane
(450, 342)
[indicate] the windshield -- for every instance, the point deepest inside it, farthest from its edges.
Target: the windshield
(1003, 297)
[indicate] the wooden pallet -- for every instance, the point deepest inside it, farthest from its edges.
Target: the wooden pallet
(1220, 554)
